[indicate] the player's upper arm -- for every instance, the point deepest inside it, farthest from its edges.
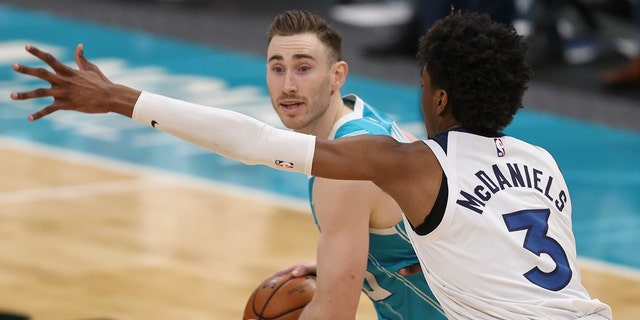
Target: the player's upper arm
(342, 209)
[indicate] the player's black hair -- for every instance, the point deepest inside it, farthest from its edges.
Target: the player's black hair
(482, 66)
(292, 22)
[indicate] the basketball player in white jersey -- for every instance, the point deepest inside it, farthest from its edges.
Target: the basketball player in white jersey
(489, 215)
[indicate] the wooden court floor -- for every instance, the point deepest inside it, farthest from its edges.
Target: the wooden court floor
(86, 238)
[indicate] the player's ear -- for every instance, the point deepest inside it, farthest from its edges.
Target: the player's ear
(441, 100)
(339, 72)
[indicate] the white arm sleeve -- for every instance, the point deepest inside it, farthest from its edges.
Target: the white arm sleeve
(228, 133)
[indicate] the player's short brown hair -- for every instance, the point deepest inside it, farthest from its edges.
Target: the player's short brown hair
(293, 22)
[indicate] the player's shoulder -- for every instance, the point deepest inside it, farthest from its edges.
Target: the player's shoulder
(359, 127)
(365, 119)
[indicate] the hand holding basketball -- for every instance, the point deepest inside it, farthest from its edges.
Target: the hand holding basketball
(280, 297)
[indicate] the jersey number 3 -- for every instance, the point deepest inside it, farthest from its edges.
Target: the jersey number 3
(536, 222)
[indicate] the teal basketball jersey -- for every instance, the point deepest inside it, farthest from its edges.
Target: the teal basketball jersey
(394, 296)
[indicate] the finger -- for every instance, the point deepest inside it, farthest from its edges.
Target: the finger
(78, 54)
(297, 272)
(81, 61)
(48, 58)
(300, 271)
(43, 112)
(41, 73)
(37, 93)
(84, 64)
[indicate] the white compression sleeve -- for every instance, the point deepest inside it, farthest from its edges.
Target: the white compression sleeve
(228, 133)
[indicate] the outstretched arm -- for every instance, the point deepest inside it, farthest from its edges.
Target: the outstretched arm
(380, 159)
(224, 132)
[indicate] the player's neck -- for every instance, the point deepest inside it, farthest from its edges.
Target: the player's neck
(323, 125)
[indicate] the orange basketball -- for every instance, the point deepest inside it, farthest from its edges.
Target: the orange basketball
(280, 297)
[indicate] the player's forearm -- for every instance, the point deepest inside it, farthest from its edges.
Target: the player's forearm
(333, 307)
(227, 133)
(340, 272)
(332, 310)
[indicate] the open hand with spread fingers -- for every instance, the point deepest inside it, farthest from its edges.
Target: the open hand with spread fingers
(86, 89)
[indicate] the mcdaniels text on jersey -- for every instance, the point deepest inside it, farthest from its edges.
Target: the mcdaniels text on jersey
(509, 176)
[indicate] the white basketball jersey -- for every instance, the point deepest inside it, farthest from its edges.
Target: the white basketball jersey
(505, 248)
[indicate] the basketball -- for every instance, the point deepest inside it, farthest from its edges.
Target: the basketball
(280, 297)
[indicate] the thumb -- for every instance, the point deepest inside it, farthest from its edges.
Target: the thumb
(84, 64)
(78, 55)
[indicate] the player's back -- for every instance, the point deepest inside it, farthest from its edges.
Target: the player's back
(504, 248)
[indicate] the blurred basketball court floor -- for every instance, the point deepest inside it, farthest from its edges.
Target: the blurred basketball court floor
(103, 218)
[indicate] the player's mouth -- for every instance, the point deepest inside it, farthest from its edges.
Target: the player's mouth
(291, 106)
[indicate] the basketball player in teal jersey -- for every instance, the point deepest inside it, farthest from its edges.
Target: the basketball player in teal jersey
(488, 214)
(362, 237)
